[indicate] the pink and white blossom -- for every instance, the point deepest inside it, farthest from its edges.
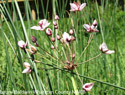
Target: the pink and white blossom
(77, 7)
(103, 47)
(88, 86)
(66, 38)
(48, 32)
(27, 68)
(22, 44)
(42, 25)
(91, 28)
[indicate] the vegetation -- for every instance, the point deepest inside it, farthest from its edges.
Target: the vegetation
(47, 76)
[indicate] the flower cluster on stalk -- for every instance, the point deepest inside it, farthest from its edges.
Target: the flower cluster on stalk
(66, 39)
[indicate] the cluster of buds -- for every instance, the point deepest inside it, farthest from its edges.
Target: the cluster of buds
(70, 65)
(55, 22)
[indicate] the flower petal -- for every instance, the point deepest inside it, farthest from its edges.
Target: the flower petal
(26, 64)
(36, 27)
(109, 52)
(103, 47)
(94, 23)
(26, 70)
(82, 6)
(87, 27)
(21, 44)
(73, 7)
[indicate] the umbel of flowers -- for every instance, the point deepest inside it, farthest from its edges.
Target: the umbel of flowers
(65, 38)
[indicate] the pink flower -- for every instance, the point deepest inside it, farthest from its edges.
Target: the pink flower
(88, 86)
(66, 38)
(54, 23)
(22, 44)
(43, 24)
(103, 47)
(91, 28)
(48, 32)
(27, 68)
(56, 17)
(76, 6)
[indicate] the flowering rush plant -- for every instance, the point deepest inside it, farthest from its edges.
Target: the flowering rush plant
(62, 44)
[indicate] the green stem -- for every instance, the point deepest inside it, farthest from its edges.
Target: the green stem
(100, 21)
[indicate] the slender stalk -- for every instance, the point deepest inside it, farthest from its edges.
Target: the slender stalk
(90, 59)
(90, 39)
(78, 75)
(100, 21)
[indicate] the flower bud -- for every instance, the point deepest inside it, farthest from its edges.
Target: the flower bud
(48, 32)
(33, 49)
(53, 39)
(94, 23)
(67, 62)
(36, 44)
(52, 47)
(56, 17)
(22, 44)
(54, 23)
(73, 55)
(56, 27)
(33, 39)
(58, 37)
(71, 32)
